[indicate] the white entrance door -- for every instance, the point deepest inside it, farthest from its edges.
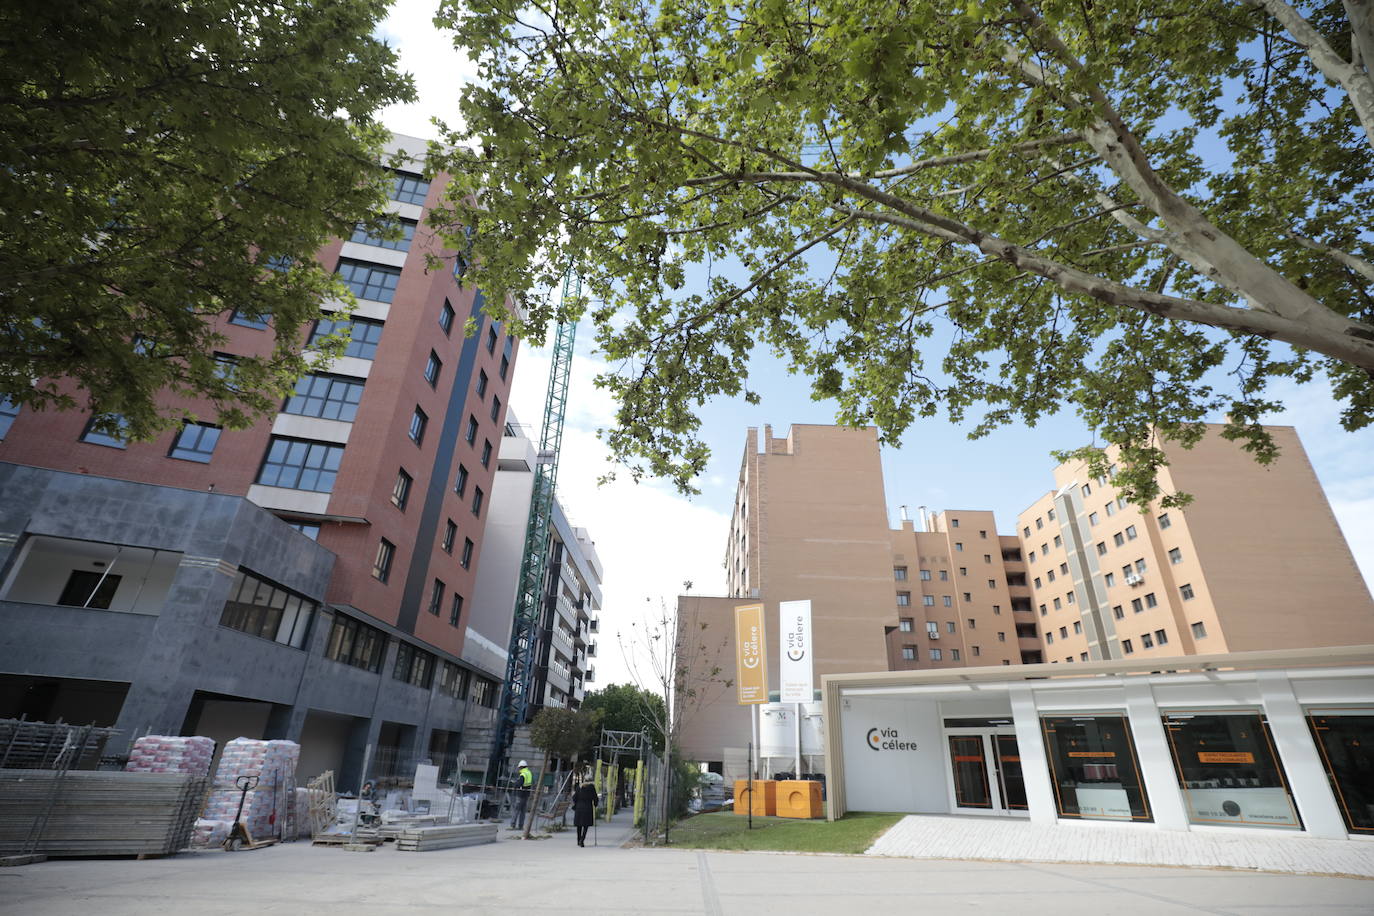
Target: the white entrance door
(983, 767)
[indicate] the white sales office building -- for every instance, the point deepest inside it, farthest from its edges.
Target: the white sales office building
(1273, 740)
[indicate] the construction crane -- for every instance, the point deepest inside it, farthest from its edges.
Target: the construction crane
(529, 594)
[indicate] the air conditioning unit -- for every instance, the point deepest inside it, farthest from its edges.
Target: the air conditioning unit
(1134, 580)
(934, 635)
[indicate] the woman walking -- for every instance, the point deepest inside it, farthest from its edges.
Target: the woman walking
(584, 802)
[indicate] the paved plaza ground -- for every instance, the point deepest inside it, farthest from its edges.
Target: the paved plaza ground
(555, 876)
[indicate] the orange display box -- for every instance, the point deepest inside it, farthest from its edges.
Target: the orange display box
(800, 798)
(764, 800)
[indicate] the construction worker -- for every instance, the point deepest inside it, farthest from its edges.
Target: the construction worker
(520, 786)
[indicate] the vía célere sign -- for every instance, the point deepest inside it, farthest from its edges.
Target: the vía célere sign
(751, 658)
(795, 681)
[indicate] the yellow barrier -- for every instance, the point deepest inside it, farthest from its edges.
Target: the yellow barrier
(800, 798)
(764, 798)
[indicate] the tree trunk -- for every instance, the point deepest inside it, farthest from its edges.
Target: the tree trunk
(534, 802)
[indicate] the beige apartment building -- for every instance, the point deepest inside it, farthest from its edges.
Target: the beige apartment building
(1257, 561)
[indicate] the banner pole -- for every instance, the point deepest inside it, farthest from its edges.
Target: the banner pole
(796, 768)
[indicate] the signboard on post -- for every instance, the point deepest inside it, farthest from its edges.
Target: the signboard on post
(751, 658)
(795, 679)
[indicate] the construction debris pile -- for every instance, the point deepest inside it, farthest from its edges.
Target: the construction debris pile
(269, 803)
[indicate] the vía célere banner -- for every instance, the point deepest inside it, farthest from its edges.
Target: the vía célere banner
(751, 658)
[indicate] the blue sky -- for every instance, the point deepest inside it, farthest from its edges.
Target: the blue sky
(651, 539)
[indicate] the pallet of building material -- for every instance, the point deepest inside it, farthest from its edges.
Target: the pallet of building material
(97, 813)
(428, 839)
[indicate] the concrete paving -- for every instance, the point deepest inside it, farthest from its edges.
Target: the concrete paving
(553, 876)
(1101, 842)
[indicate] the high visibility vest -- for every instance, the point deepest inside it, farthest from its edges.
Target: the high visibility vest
(526, 777)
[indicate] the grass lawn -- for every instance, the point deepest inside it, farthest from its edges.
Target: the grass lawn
(853, 833)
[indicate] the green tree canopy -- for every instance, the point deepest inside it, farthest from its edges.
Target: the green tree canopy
(562, 733)
(627, 708)
(158, 157)
(1146, 212)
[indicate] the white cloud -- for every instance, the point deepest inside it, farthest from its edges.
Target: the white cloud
(650, 538)
(427, 53)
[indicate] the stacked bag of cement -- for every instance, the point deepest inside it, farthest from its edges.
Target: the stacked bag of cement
(266, 807)
(171, 754)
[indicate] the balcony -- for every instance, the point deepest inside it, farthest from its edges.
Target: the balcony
(92, 575)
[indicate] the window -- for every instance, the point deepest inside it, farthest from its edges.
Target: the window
(1001, 637)
(369, 281)
(470, 435)
(407, 227)
(987, 558)
(1078, 626)
(1109, 579)
(330, 397)
(1101, 548)
(357, 644)
(1127, 647)
(925, 575)
(1044, 610)
(195, 442)
(400, 490)
(460, 485)
(1063, 632)
(248, 320)
(954, 523)
(983, 535)
(1161, 638)
(1111, 509)
(1087, 489)
(1136, 606)
(486, 453)
(1044, 549)
(453, 681)
(477, 501)
(1063, 569)
(954, 655)
(1164, 520)
(992, 583)
(300, 464)
(409, 189)
(963, 570)
(495, 408)
(1069, 599)
(1092, 518)
(906, 625)
(1118, 611)
(935, 655)
(505, 364)
(1049, 637)
(944, 575)
(1199, 630)
(484, 692)
(446, 316)
(481, 384)
(491, 340)
(89, 589)
(450, 532)
(1146, 642)
(977, 651)
(1093, 764)
(903, 599)
(899, 573)
(433, 368)
(1058, 604)
(1049, 514)
(98, 437)
(959, 546)
(363, 335)
(1082, 656)
(1130, 533)
(466, 558)
(309, 529)
(909, 653)
(949, 626)
(455, 611)
(997, 609)
(1118, 539)
(1049, 574)
(932, 629)
(418, 421)
(381, 566)
(1215, 754)
(1126, 571)
(1175, 556)
(8, 411)
(972, 624)
(260, 608)
(1026, 531)
(928, 600)
(1140, 567)
(414, 666)
(1039, 523)
(436, 597)
(1151, 600)
(948, 601)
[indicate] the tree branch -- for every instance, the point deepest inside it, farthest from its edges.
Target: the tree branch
(1357, 264)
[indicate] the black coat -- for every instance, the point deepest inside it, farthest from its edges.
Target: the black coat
(584, 805)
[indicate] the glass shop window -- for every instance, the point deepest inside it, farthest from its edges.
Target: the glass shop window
(1345, 741)
(1095, 769)
(1228, 770)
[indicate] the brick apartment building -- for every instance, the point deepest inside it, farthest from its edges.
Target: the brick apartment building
(311, 577)
(1256, 552)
